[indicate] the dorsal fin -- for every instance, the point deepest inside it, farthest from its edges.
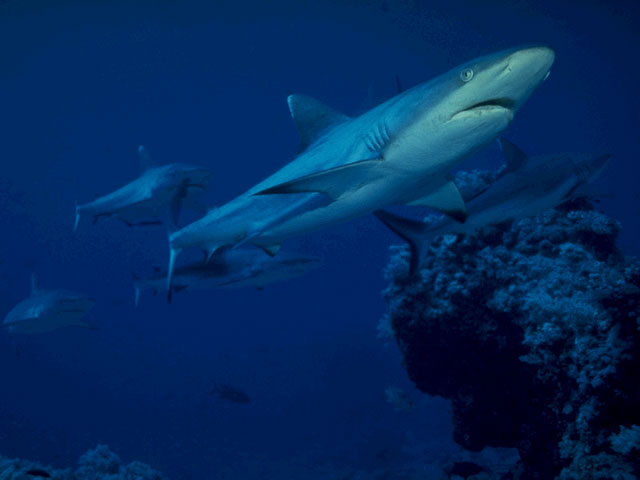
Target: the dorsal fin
(513, 154)
(446, 199)
(271, 250)
(312, 118)
(145, 158)
(35, 285)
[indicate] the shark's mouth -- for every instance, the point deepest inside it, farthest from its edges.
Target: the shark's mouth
(503, 104)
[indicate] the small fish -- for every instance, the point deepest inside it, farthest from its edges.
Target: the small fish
(38, 472)
(229, 393)
(464, 469)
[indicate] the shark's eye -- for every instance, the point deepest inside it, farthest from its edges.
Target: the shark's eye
(466, 74)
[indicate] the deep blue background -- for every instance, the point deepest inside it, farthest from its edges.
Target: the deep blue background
(205, 83)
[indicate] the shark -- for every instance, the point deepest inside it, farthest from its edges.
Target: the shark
(231, 268)
(525, 187)
(48, 310)
(156, 196)
(399, 152)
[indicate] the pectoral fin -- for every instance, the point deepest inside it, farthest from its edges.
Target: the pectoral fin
(410, 231)
(271, 250)
(333, 182)
(446, 199)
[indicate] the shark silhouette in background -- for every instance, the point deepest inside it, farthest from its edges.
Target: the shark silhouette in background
(528, 186)
(48, 310)
(156, 196)
(243, 267)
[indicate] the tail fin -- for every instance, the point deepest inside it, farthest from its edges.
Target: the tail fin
(411, 231)
(176, 204)
(173, 253)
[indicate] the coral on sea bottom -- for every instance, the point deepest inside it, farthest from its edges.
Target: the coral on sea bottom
(533, 331)
(97, 464)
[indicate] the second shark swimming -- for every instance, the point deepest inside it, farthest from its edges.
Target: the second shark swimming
(528, 186)
(244, 267)
(155, 197)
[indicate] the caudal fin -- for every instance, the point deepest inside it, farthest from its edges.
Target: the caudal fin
(173, 253)
(411, 231)
(176, 204)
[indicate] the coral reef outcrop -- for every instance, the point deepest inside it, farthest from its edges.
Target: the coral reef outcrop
(532, 330)
(97, 464)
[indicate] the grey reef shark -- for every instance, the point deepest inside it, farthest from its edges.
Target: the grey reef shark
(400, 152)
(526, 187)
(155, 197)
(242, 267)
(48, 310)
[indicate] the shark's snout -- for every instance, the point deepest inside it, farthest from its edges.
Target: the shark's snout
(524, 71)
(503, 82)
(540, 58)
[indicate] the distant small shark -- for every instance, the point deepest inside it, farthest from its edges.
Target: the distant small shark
(245, 267)
(399, 152)
(528, 186)
(47, 310)
(156, 196)
(229, 393)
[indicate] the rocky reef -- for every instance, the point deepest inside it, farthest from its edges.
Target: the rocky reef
(97, 464)
(532, 330)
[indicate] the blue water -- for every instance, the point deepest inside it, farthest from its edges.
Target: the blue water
(82, 84)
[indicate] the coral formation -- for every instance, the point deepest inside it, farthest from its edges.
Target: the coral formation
(533, 331)
(97, 464)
